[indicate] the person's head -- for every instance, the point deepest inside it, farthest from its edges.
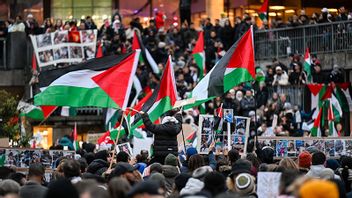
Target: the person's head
(233, 155)
(318, 158)
(91, 189)
(61, 188)
(239, 95)
(156, 168)
(304, 160)
(333, 164)
(122, 157)
(339, 127)
(103, 155)
(249, 93)
(278, 70)
(243, 184)
(317, 68)
(20, 178)
(342, 10)
(160, 180)
(9, 186)
(36, 172)
(124, 170)
(240, 166)
(147, 189)
(83, 165)
(268, 155)
(119, 187)
(71, 168)
(287, 178)
(181, 181)
(171, 159)
(213, 34)
(195, 161)
(191, 151)
(214, 183)
(288, 163)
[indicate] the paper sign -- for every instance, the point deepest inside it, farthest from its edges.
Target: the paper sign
(268, 184)
(181, 103)
(125, 147)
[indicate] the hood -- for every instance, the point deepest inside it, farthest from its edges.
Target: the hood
(170, 171)
(192, 187)
(96, 165)
(315, 170)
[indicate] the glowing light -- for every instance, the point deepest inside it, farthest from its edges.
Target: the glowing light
(289, 11)
(277, 7)
(175, 24)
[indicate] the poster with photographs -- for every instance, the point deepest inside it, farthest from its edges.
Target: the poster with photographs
(348, 147)
(228, 115)
(240, 133)
(125, 147)
(206, 133)
(291, 148)
(299, 146)
(330, 148)
(340, 148)
(57, 155)
(281, 148)
(64, 47)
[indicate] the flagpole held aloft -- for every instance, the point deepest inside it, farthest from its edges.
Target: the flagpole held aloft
(116, 140)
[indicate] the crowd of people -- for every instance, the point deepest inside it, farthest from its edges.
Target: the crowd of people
(102, 174)
(96, 174)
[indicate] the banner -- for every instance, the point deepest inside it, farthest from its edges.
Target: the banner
(22, 158)
(293, 146)
(64, 47)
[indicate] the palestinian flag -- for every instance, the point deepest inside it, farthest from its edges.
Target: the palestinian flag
(218, 120)
(163, 98)
(334, 109)
(68, 111)
(343, 95)
(75, 141)
(105, 138)
(315, 131)
(235, 67)
(317, 91)
(145, 56)
(112, 114)
(307, 66)
(34, 63)
(92, 83)
(35, 112)
(99, 53)
(199, 54)
(263, 12)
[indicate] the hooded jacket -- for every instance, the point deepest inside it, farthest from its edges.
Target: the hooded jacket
(170, 173)
(165, 134)
(98, 166)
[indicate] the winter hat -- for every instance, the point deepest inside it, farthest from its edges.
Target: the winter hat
(333, 164)
(304, 160)
(192, 187)
(325, 10)
(319, 189)
(244, 184)
(191, 151)
(159, 179)
(181, 180)
(241, 166)
(171, 159)
(61, 188)
(200, 172)
(214, 182)
(103, 155)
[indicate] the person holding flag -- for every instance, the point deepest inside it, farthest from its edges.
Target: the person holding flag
(165, 134)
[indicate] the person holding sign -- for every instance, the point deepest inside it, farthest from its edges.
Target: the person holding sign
(165, 134)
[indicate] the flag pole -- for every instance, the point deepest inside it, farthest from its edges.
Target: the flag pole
(183, 135)
(116, 140)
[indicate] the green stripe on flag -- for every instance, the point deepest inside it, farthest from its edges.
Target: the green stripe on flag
(236, 77)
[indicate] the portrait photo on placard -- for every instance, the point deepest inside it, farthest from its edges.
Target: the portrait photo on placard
(124, 147)
(205, 132)
(281, 148)
(330, 148)
(43, 40)
(60, 37)
(339, 148)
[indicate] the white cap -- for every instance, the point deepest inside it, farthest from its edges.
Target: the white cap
(30, 16)
(324, 10)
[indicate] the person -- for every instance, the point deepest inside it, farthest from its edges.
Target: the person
(72, 170)
(18, 26)
(119, 187)
(124, 170)
(145, 189)
(33, 187)
(248, 103)
(165, 134)
(280, 78)
(9, 187)
(317, 169)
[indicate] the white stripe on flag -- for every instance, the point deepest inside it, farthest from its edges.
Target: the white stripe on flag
(152, 62)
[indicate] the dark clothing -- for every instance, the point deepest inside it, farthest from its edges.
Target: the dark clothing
(319, 77)
(165, 135)
(185, 11)
(32, 190)
(262, 97)
(98, 167)
(226, 36)
(294, 78)
(247, 105)
(230, 103)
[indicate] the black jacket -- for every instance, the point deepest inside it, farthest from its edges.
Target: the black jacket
(165, 135)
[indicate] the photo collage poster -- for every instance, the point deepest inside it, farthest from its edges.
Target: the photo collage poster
(64, 47)
(293, 147)
(231, 132)
(22, 158)
(125, 147)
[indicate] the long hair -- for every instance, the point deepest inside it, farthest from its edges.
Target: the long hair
(288, 163)
(195, 161)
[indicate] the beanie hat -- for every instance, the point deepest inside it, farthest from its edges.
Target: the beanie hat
(241, 166)
(171, 159)
(304, 160)
(214, 182)
(319, 189)
(244, 184)
(200, 172)
(61, 188)
(191, 151)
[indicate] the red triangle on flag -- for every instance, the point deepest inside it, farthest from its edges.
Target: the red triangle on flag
(264, 7)
(328, 93)
(168, 84)
(243, 56)
(135, 41)
(99, 51)
(48, 110)
(199, 47)
(117, 81)
(34, 63)
(315, 88)
(344, 85)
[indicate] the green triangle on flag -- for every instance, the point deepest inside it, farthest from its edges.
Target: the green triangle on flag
(263, 11)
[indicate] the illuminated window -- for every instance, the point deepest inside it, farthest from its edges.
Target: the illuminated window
(77, 9)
